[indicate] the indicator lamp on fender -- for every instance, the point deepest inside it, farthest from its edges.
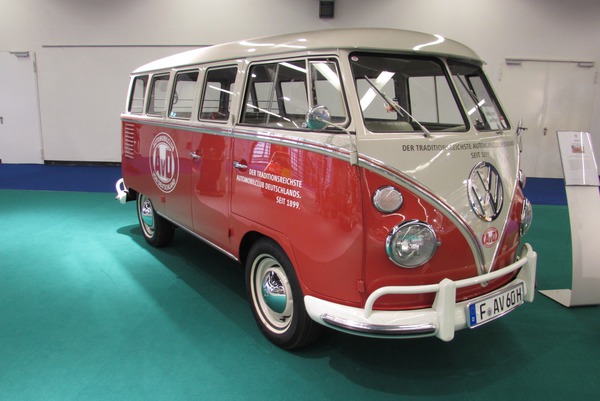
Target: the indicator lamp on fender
(411, 244)
(387, 199)
(526, 216)
(522, 179)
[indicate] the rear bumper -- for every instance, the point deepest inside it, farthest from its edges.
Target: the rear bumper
(441, 320)
(122, 192)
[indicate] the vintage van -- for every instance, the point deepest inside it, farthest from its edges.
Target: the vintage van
(367, 179)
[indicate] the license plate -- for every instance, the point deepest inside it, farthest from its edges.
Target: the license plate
(495, 305)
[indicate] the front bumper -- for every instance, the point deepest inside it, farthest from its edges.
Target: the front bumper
(441, 320)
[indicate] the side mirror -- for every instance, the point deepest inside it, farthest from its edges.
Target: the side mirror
(519, 131)
(318, 118)
(520, 128)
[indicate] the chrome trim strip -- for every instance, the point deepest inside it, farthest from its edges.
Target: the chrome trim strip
(406, 182)
(205, 129)
(207, 242)
(320, 147)
(376, 329)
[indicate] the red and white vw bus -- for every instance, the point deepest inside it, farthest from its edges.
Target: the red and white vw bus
(367, 179)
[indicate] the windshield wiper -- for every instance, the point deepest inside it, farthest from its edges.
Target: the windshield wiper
(477, 106)
(399, 109)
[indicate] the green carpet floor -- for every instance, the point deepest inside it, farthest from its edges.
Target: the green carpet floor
(89, 312)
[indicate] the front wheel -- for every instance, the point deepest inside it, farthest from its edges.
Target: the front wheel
(157, 230)
(276, 298)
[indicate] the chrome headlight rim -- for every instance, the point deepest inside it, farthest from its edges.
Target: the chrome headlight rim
(391, 244)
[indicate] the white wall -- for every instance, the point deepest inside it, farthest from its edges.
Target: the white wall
(86, 48)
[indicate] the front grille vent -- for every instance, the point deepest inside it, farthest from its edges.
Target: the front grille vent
(129, 140)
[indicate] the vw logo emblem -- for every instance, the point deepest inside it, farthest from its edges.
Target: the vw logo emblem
(485, 191)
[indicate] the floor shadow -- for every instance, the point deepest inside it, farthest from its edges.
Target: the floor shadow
(473, 360)
(424, 366)
(216, 278)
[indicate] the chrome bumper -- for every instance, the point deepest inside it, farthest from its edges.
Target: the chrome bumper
(441, 320)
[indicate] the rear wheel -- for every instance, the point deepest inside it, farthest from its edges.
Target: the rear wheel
(277, 301)
(157, 230)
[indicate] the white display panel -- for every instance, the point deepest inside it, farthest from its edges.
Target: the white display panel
(577, 155)
(581, 179)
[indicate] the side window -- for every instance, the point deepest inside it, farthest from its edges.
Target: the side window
(183, 95)
(136, 98)
(280, 94)
(158, 94)
(217, 94)
(327, 89)
(276, 94)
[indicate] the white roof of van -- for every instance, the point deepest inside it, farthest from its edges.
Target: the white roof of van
(353, 39)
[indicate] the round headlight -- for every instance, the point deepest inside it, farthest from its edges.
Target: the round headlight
(411, 244)
(526, 216)
(387, 199)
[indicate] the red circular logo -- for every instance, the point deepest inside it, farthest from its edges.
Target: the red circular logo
(164, 162)
(490, 237)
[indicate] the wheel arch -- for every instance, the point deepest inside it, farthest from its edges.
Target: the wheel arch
(251, 237)
(131, 194)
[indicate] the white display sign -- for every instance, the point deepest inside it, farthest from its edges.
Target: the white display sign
(581, 178)
(577, 156)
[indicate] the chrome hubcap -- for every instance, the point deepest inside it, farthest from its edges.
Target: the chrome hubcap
(147, 215)
(272, 293)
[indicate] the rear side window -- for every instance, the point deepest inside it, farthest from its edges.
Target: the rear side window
(217, 94)
(184, 92)
(158, 94)
(279, 95)
(138, 92)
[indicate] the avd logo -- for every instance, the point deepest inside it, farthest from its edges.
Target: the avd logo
(164, 162)
(489, 237)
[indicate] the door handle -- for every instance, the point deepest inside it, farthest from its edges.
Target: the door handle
(195, 156)
(240, 165)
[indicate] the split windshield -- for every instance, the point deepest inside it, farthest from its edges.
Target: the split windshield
(403, 94)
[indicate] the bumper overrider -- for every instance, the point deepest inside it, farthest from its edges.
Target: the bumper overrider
(441, 320)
